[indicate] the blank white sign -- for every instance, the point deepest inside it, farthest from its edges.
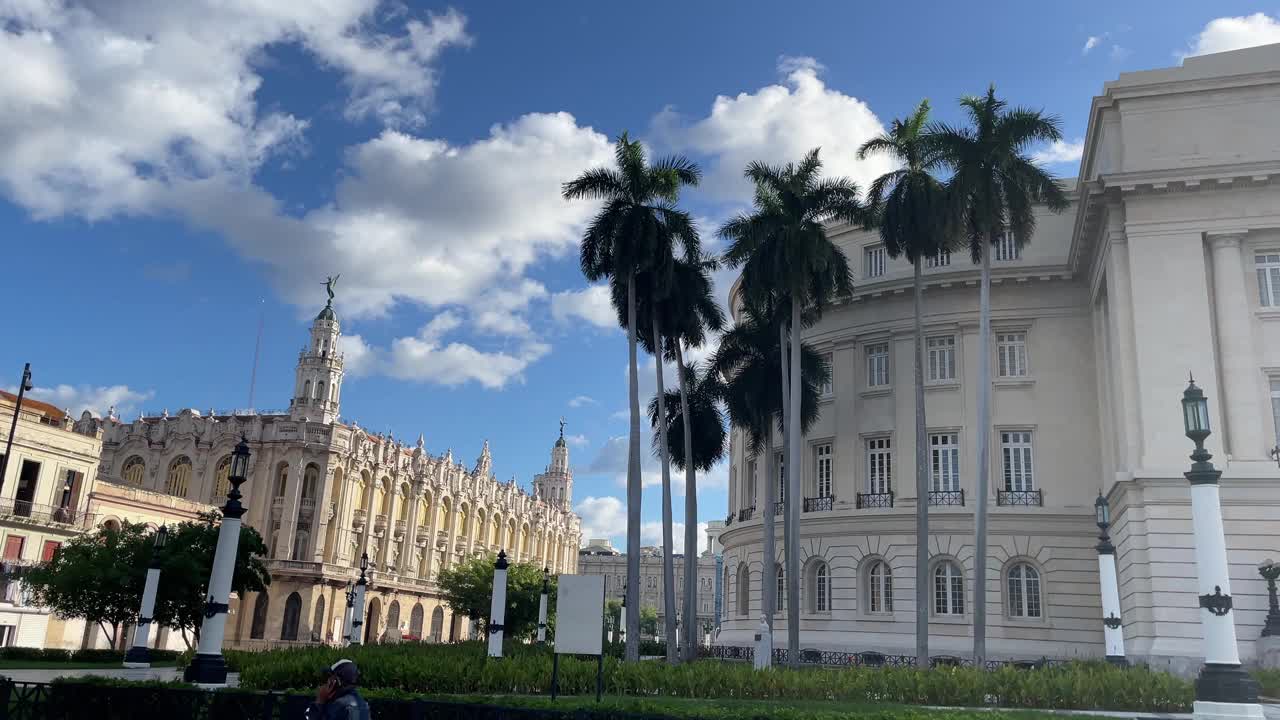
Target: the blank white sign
(579, 614)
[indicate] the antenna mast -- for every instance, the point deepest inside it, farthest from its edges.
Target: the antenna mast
(257, 346)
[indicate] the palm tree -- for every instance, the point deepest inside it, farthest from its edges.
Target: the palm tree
(683, 309)
(993, 189)
(636, 229)
(910, 208)
(784, 252)
(750, 361)
(694, 446)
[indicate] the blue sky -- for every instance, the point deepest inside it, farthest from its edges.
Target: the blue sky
(170, 172)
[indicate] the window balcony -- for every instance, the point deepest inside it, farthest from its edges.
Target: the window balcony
(421, 538)
(400, 528)
(745, 514)
(728, 520)
(779, 509)
(946, 497)
(379, 524)
(442, 540)
(277, 506)
(358, 518)
(37, 513)
(819, 504)
(306, 506)
(875, 500)
(1030, 498)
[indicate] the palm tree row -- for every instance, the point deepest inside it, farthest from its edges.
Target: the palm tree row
(954, 185)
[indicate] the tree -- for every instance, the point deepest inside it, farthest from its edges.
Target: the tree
(909, 206)
(636, 230)
(783, 250)
(750, 360)
(688, 310)
(99, 577)
(993, 189)
(648, 619)
(467, 588)
(186, 564)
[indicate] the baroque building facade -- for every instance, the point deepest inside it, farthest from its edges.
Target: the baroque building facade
(322, 491)
(1168, 261)
(598, 557)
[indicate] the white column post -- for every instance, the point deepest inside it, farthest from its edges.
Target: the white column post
(1224, 690)
(1235, 350)
(542, 607)
(139, 656)
(1120, 304)
(498, 608)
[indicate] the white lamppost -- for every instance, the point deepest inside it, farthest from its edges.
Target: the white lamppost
(139, 656)
(357, 603)
(542, 606)
(1223, 689)
(498, 606)
(1112, 630)
(208, 668)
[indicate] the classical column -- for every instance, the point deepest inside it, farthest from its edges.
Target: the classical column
(1236, 356)
(411, 532)
(1120, 304)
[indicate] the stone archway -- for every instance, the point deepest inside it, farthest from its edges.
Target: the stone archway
(371, 624)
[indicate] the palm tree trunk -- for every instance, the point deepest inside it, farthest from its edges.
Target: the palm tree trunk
(692, 631)
(922, 485)
(784, 416)
(668, 539)
(633, 483)
(793, 493)
(984, 462)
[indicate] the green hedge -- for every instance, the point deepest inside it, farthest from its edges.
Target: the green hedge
(1269, 680)
(76, 656)
(463, 670)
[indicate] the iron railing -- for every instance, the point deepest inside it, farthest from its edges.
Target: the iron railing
(875, 500)
(946, 497)
(728, 519)
(745, 513)
(1020, 497)
(867, 658)
(819, 504)
(779, 508)
(35, 512)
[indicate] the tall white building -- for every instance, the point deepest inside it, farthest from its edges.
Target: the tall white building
(1167, 262)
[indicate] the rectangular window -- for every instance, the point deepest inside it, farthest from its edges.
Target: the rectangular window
(944, 451)
(873, 261)
(879, 466)
(1015, 453)
(1268, 266)
(828, 360)
(750, 499)
(878, 365)
(940, 259)
(1011, 354)
(13, 547)
(1007, 248)
(1275, 407)
(941, 353)
(50, 549)
(780, 477)
(823, 462)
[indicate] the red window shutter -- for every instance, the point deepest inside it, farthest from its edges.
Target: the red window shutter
(13, 547)
(50, 547)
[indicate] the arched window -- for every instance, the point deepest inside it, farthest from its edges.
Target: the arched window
(437, 624)
(320, 390)
(879, 588)
(258, 628)
(292, 615)
(310, 477)
(179, 477)
(744, 590)
(371, 619)
(948, 589)
(393, 621)
(282, 478)
(819, 587)
(317, 621)
(134, 470)
(221, 480)
(1023, 599)
(300, 540)
(415, 622)
(780, 600)
(306, 389)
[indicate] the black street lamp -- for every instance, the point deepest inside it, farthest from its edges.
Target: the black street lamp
(1270, 571)
(1223, 688)
(1112, 632)
(23, 387)
(357, 602)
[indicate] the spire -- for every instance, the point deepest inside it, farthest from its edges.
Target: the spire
(421, 441)
(483, 463)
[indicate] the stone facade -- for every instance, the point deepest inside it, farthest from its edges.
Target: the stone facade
(599, 557)
(322, 491)
(1162, 265)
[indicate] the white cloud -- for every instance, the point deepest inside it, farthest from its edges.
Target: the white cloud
(591, 304)
(1060, 151)
(103, 107)
(651, 534)
(1234, 33)
(579, 440)
(581, 401)
(97, 400)
(777, 124)
(602, 517)
(1091, 43)
(358, 358)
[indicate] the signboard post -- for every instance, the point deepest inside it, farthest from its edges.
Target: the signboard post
(580, 597)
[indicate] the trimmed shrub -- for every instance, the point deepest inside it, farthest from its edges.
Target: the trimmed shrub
(1269, 681)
